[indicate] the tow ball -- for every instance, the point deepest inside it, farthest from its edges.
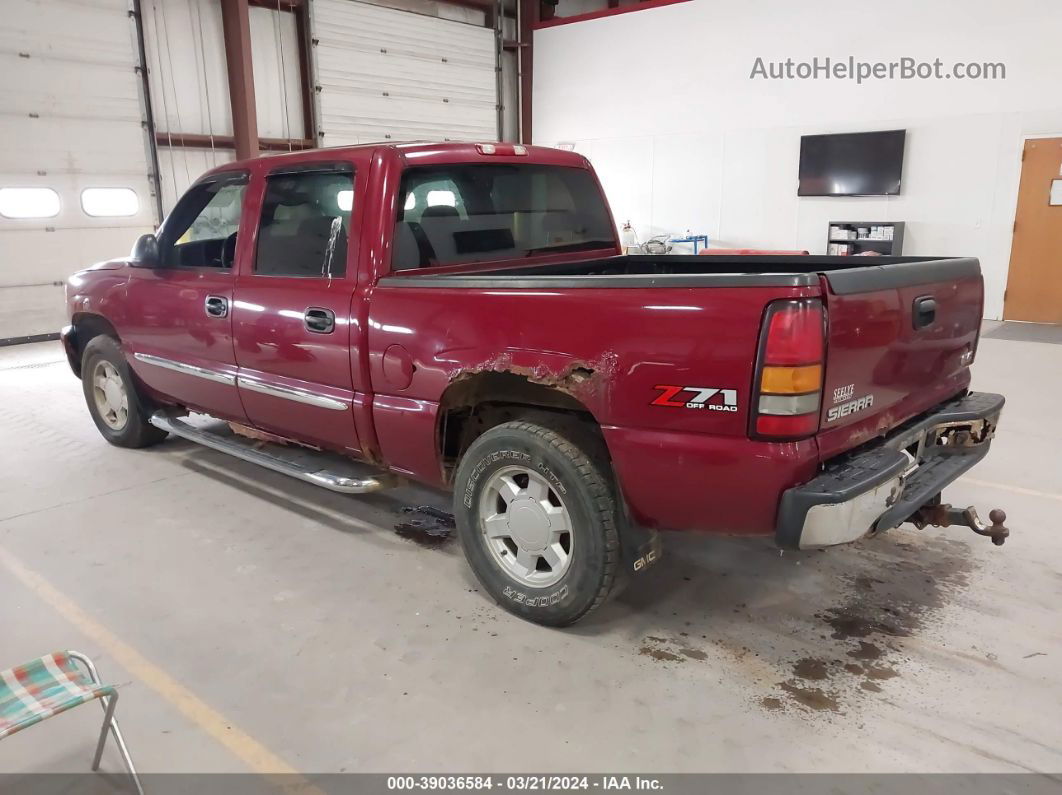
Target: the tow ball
(943, 515)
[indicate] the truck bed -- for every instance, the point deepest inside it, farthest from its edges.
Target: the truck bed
(883, 365)
(846, 275)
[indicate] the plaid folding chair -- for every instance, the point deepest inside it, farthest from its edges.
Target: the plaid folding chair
(52, 684)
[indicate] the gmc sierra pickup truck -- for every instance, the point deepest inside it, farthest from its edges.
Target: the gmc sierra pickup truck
(461, 315)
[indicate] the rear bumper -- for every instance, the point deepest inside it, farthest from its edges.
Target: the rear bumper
(879, 486)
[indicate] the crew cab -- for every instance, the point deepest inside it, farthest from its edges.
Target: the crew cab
(461, 315)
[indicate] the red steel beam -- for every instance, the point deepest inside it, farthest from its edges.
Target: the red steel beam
(237, 32)
(637, 5)
(529, 19)
(278, 5)
(199, 141)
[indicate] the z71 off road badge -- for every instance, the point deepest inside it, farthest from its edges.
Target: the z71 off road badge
(699, 397)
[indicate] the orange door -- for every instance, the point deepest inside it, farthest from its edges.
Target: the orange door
(1034, 286)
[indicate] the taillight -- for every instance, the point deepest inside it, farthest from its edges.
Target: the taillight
(787, 390)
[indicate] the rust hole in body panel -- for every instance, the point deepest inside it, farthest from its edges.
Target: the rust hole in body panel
(577, 378)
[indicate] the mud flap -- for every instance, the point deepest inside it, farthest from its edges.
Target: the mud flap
(641, 547)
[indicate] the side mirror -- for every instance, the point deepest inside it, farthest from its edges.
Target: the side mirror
(145, 252)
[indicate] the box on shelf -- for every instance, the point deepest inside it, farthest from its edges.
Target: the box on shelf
(858, 237)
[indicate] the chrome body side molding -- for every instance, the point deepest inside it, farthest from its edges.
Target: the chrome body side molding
(290, 393)
(254, 385)
(188, 369)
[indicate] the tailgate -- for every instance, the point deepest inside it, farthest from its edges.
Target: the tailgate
(900, 339)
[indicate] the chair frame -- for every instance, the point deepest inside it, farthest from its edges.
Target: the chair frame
(110, 723)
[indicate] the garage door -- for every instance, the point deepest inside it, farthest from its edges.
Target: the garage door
(385, 74)
(74, 185)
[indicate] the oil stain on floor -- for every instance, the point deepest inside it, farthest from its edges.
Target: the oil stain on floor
(426, 526)
(864, 644)
(850, 630)
(664, 650)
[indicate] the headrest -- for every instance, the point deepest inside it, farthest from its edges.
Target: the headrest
(440, 211)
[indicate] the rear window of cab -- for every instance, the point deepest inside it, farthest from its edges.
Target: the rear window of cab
(462, 213)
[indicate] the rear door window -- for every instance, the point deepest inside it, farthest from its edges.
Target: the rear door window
(305, 225)
(483, 212)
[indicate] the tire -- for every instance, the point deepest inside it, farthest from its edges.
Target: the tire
(517, 488)
(103, 359)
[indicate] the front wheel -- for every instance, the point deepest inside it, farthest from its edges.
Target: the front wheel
(110, 393)
(537, 520)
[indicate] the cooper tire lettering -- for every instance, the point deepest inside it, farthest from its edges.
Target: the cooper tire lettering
(544, 600)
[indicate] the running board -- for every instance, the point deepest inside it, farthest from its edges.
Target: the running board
(319, 477)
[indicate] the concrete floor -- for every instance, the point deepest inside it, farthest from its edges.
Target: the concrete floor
(259, 623)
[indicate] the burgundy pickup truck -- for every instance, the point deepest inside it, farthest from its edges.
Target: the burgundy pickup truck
(460, 314)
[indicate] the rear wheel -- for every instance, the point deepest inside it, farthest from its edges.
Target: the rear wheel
(537, 521)
(111, 395)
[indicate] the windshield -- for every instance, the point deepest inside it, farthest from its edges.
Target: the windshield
(483, 212)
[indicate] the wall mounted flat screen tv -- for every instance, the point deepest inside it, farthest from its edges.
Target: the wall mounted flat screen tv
(851, 164)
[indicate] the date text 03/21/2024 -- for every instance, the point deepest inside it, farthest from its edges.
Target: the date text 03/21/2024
(522, 783)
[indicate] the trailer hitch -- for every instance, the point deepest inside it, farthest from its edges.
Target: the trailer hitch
(943, 515)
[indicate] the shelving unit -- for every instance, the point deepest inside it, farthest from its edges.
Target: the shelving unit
(856, 237)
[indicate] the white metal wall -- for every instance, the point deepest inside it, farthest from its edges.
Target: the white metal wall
(70, 118)
(387, 74)
(181, 166)
(186, 66)
(721, 155)
(277, 86)
(185, 47)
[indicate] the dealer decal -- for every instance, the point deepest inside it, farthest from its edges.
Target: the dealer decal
(843, 393)
(696, 397)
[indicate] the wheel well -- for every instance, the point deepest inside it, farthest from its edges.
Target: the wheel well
(472, 406)
(87, 327)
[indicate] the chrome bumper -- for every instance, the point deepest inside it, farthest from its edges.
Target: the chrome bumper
(880, 486)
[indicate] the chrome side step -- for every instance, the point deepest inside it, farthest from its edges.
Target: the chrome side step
(319, 477)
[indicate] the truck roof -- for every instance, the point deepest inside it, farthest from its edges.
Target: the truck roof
(428, 153)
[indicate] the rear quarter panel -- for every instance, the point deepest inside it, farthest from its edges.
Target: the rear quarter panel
(678, 466)
(630, 341)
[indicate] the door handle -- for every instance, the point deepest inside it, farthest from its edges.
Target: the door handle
(320, 321)
(216, 306)
(924, 311)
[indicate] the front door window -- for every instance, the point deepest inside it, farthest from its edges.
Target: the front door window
(202, 229)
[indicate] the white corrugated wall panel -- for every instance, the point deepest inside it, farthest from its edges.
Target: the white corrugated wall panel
(185, 43)
(386, 74)
(185, 46)
(181, 166)
(70, 118)
(277, 78)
